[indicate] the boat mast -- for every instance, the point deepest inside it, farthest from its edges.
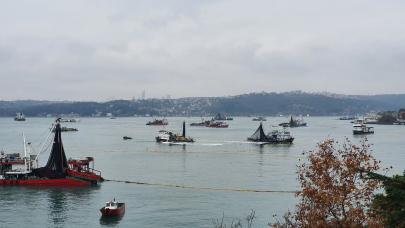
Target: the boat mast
(29, 155)
(25, 152)
(184, 128)
(262, 135)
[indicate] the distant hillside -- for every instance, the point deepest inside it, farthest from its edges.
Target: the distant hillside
(269, 104)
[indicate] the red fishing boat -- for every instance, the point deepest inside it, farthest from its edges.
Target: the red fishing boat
(113, 209)
(58, 171)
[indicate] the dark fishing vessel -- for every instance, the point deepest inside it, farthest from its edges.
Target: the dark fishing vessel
(58, 171)
(170, 137)
(113, 209)
(126, 138)
(294, 123)
(157, 122)
(274, 137)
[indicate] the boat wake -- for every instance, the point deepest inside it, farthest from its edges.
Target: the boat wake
(195, 144)
(241, 142)
(211, 144)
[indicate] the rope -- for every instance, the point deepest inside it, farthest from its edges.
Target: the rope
(201, 188)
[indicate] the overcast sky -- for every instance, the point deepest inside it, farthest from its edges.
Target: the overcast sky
(101, 50)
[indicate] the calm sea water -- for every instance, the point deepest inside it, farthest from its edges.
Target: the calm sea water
(220, 159)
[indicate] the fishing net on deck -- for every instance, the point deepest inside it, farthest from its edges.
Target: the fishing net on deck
(259, 135)
(57, 162)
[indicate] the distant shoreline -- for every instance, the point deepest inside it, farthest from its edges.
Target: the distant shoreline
(253, 104)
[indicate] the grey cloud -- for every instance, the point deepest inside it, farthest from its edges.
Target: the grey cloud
(84, 50)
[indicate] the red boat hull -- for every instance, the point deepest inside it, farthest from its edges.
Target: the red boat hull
(120, 211)
(87, 176)
(65, 182)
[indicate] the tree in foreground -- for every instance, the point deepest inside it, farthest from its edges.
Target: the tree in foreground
(334, 189)
(391, 205)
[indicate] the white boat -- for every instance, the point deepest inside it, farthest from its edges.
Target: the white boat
(259, 118)
(19, 116)
(360, 128)
(163, 136)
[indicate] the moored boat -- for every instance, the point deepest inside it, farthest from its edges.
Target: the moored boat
(113, 209)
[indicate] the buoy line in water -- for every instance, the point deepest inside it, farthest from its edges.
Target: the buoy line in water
(201, 188)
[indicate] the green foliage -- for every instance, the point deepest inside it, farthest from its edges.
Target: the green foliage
(391, 205)
(387, 118)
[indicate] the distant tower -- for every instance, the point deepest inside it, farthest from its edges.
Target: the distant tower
(143, 95)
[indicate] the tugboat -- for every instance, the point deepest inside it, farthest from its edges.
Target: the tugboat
(58, 171)
(360, 128)
(157, 122)
(294, 123)
(170, 137)
(274, 137)
(19, 116)
(113, 209)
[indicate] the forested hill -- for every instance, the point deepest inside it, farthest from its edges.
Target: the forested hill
(269, 104)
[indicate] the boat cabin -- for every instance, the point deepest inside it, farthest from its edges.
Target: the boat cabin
(111, 205)
(81, 165)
